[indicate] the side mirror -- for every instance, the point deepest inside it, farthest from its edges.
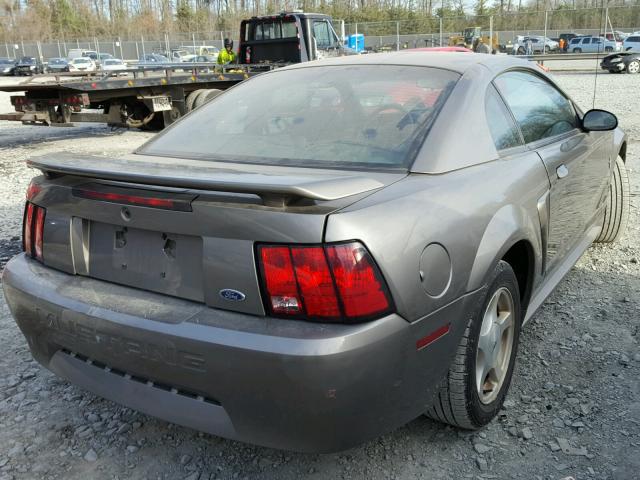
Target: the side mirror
(599, 121)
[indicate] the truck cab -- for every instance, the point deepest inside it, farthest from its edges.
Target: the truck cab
(290, 37)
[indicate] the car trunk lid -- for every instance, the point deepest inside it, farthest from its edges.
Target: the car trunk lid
(185, 228)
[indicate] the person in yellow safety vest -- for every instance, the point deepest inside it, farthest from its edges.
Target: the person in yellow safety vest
(227, 55)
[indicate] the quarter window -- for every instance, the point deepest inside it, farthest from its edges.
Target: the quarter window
(540, 110)
(503, 129)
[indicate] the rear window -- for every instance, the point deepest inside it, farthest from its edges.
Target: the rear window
(369, 116)
(275, 29)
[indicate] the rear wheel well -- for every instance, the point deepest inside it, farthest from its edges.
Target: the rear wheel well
(520, 257)
(623, 152)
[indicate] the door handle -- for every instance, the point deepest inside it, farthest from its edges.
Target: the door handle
(562, 171)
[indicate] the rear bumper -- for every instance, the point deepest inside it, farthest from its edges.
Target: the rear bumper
(284, 384)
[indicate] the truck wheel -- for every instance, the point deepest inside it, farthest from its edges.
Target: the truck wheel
(193, 97)
(206, 97)
(577, 50)
(479, 376)
(616, 212)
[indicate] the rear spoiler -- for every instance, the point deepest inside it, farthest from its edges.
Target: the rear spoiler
(273, 189)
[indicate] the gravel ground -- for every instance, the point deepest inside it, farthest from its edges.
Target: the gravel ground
(573, 411)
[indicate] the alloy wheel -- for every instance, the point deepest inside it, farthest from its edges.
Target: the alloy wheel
(495, 345)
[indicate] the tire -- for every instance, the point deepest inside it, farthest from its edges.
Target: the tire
(458, 401)
(206, 96)
(193, 97)
(616, 213)
(633, 66)
(608, 49)
(577, 50)
(521, 51)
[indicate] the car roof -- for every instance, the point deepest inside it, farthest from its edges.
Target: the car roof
(446, 60)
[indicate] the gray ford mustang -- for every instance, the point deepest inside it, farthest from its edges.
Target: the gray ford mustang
(322, 253)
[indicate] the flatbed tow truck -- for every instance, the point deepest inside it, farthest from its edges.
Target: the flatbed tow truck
(155, 96)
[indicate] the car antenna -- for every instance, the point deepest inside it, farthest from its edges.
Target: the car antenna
(595, 79)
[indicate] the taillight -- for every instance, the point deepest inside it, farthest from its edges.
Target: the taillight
(27, 228)
(33, 230)
(39, 228)
(359, 285)
(32, 190)
(331, 283)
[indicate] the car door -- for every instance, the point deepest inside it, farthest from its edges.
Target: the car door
(576, 161)
(597, 45)
(585, 45)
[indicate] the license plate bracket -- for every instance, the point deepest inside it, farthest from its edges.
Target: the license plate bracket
(161, 262)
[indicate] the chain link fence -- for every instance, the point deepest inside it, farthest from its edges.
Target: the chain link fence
(378, 36)
(126, 49)
(435, 31)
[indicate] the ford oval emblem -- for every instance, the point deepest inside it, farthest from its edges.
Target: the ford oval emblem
(232, 295)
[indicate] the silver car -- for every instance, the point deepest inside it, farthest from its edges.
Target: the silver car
(593, 45)
(320, 254)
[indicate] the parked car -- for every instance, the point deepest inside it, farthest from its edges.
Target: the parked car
(105, 56)
(55, 65)
(82, 64)
(28, 66)
(79, 52)
(152, 59)
(567, 37)
(631, 43)
(7, 65)
(203, 59)
(180, 55)
(593, 45)
(622, 62)
(202, 50)
(114, 65)
(537, 45)
(313, 258)
(616, 36)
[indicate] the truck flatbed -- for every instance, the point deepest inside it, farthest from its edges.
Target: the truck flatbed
(154, 96)
(144, 96)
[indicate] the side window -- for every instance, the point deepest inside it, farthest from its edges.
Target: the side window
(503, 130)
(322, 34)
(586, 41)
(541, 111)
